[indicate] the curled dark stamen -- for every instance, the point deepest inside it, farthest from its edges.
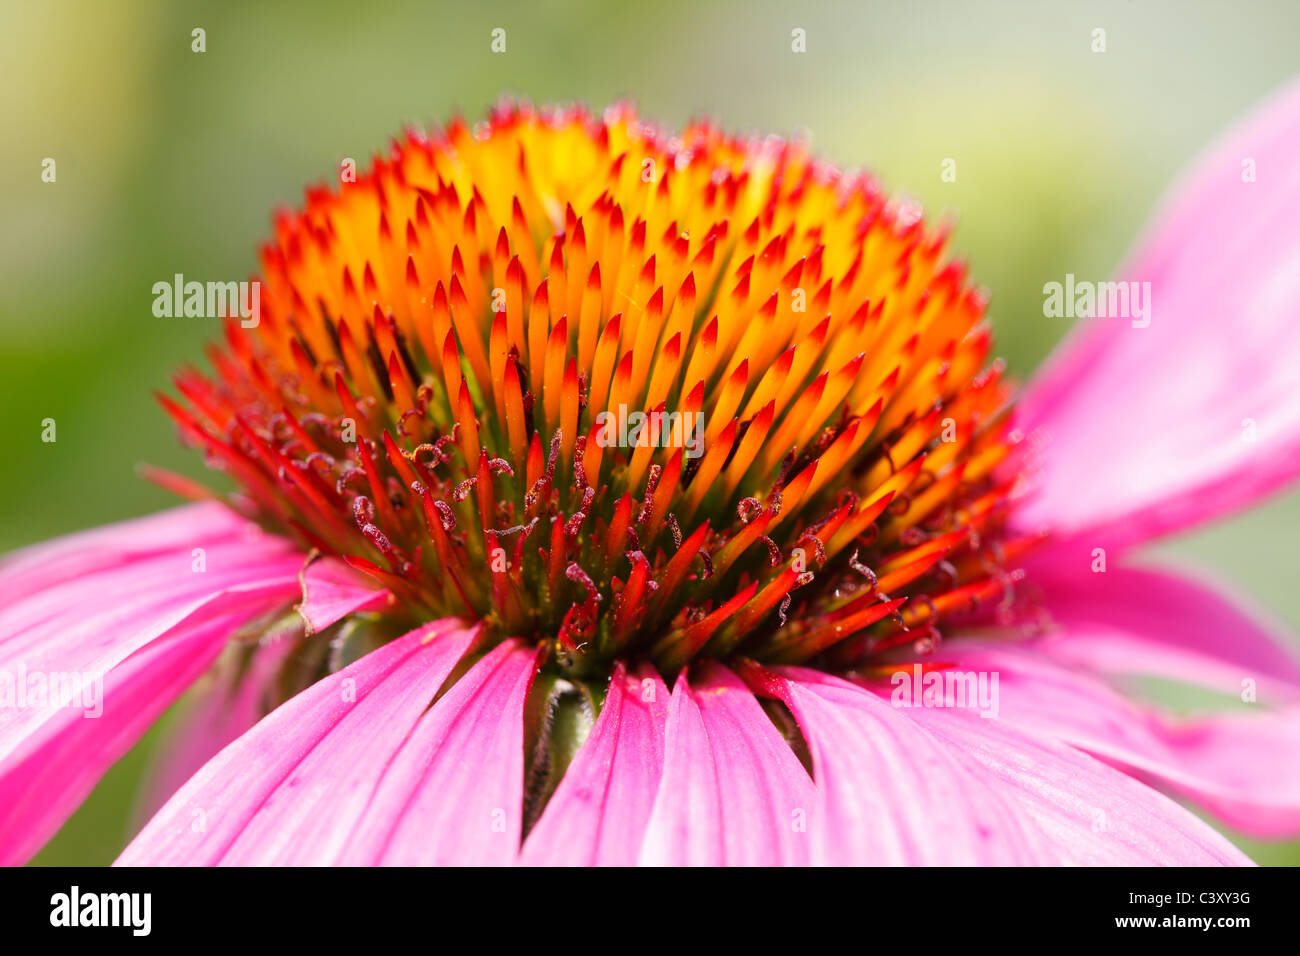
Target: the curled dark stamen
(575, 573)
(928, 641)
(350, 470)
(446, 514)
(575, 522)
(579, 471)
(320, 458)
(912, 536)
(503, 532)
(401, 421)
(708, 563)
(889, 457)
(819, 549)
(946, 573)
(461, 491)
(863, 570)
(378, 539)
(554, 457)
(638, 557)
(363, 511)
(444, 441)
(651, 483)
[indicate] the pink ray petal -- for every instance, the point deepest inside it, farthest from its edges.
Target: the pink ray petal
(293, 789)
(891, 793)
(1166, 625)
(224, 703)
(1243, 767)
(598, 813)
(1149, 430)
(1235, 751)
(85, 552)
(1093, 814)
(140, 620)
(453, 795)
(331, 590)
(98, 610)
(55, 767)
(733, 792)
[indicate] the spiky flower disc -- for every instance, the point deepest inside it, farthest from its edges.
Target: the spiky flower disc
(438, 338)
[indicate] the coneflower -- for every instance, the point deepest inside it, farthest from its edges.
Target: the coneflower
(627, 474)
(438, 339)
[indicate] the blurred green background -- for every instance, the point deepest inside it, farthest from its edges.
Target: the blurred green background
(171, 161)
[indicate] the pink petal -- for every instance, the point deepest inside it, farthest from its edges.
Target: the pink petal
(56, 765)
(98, 607)
(1148, 430)
(1092, 813)
(331, 590)
(893, 794)
(733, 792)
(228, 700)
(233, 702)
(1166, 625)
(453, 795)
(1244, 767)
(129, 610)
(71, 556)
(598, 813)
(295, 787)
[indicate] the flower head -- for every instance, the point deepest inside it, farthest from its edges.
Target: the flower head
(451, 348)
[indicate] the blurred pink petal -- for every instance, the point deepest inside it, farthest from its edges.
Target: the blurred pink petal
(1165, 625)
(598, 813)
(732, 792)
(294, 788)
(1149, 430)
(1242, 766)
(891, 794)
(136, 615)
(224, 703)
(1093, 814)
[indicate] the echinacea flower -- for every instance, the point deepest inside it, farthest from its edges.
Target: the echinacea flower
(600, 488)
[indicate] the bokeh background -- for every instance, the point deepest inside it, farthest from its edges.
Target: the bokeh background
(171, 161)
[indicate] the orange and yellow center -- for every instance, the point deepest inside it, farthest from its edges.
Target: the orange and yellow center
(633, 395)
